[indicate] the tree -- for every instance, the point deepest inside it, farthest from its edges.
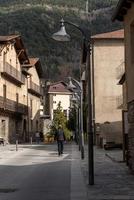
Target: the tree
(60, 119)
(72, 119)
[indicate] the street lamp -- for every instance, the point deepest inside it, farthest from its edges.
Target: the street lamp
(63, 36)
(79, 90)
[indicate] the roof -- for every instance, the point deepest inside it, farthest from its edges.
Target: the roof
(18, 44)
(36, 62)
(8, 38)
(33, 61)
(59, 87)
(121, 9)
(25, 61)
(118, 34)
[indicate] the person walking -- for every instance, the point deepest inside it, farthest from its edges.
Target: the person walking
(60, 136)
(37, 136)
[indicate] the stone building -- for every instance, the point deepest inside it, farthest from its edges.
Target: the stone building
(125, 13)
(107, 61)
(14, 89)
(34, 95)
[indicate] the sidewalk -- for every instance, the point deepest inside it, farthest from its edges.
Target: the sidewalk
(78, 186)
(113, 180)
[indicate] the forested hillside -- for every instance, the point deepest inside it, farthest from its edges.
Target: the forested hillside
(36, 20)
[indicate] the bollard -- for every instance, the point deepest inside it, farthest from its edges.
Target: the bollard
(16, 145)
(31, 140)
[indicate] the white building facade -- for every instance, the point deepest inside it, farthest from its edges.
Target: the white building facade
(58, 93)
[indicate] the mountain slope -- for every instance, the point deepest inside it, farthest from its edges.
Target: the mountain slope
(36, 20)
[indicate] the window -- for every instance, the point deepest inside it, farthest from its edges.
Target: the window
(4, 92)
(16, 62)
(3, 127)
(4, 58)
(31, 106)
(17, 97)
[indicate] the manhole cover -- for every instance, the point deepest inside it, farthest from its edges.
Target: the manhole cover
(7, 190)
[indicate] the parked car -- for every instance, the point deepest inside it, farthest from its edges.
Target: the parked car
(112, 145)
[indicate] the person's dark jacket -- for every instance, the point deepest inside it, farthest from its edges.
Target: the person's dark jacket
(60, 136)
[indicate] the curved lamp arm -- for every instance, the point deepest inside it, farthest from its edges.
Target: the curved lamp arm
(76, 26)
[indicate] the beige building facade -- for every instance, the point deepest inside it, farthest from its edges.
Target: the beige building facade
(35, 95)
(107, 58)
(128, 18)
(14, 93)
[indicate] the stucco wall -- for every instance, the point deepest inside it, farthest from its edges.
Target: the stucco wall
(12, 89)
(55, 99)
(35, 77)
(108, 54)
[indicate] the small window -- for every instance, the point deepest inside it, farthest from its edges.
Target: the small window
(17, 97)
(4, 92)
(31, 106)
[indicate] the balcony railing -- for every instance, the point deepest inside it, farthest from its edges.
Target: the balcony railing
(120, 71)
(13, 74)
(12, 106)
(119, 101)
(34, 89)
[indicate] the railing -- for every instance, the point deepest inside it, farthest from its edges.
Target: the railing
(34, 88)
(120, 71)
(12, 73)
(119, 101)
(12, 106)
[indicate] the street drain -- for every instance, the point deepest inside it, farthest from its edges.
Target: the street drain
(7, 190)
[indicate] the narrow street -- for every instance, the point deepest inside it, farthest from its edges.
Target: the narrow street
(36, 172)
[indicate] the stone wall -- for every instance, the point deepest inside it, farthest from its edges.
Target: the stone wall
(131, 135)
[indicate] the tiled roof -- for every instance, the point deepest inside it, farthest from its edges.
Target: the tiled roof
(8, 38)
(33, 61)
(119, 34)
(59, 87)
(36, 62)
(18, 44)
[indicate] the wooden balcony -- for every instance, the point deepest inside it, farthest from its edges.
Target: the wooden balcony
(34, 89)
(12, 74)
(12, 106)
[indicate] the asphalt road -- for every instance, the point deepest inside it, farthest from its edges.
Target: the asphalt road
(36, 173)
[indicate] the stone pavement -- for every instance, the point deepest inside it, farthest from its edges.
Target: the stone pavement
(113, 180)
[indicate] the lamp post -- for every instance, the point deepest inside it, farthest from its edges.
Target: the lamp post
(62, 35)
(79, 90)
